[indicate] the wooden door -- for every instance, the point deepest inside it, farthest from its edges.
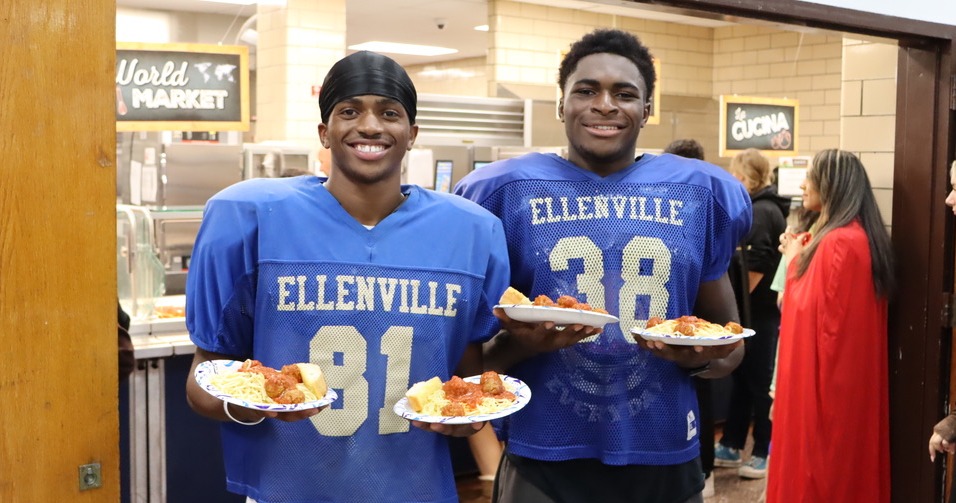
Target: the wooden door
(922, 239)
(58, 369)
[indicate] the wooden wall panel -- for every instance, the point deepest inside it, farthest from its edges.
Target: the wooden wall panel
(58, 371)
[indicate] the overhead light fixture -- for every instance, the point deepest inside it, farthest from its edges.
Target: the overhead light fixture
(481, 27)
(446, 73)
(278, 3)
(407, 49)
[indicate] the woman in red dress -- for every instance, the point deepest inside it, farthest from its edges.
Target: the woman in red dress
(830, 440)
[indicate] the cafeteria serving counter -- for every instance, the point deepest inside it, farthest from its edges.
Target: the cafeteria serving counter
(168, 452)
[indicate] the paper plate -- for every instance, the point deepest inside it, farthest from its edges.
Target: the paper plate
(692, 340)
(206, 370)
(557, 315)
(520, 389)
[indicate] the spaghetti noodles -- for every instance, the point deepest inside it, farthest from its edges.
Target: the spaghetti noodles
(251, 387)
(691, 326)
(458, 397)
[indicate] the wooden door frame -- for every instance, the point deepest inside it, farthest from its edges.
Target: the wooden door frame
(919, 342)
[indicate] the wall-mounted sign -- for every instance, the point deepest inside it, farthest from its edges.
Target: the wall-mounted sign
(182, 87)
(766, 124)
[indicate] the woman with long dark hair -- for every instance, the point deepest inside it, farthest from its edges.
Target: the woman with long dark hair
(832, 399)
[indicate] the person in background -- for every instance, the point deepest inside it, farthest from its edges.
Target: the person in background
(750, 399)
(687, 147)
(832, 393)
(127, 357)
(382, 285)
(290, 172)
(614, 418)
(943, 438)
(486, 450)
(692, 149)
(802, 223)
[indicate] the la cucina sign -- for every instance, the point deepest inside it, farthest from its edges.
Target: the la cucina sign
(767, 124)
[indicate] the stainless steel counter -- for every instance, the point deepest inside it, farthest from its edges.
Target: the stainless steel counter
(161, 338)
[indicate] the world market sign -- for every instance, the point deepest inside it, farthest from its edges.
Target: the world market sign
(182, 87)
(766, 124)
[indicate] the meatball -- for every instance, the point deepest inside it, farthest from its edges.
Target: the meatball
(277, 383)
(491, 383)
(734, 327)
(294, 395)
(685, 328)
(453, 409)
(566, 301)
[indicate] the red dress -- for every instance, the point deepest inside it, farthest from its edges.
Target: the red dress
(830, 440)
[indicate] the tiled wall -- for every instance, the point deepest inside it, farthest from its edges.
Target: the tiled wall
(868, 111)
(698, 64)
(846, 87)
(846, 90)
(761, 61)
(528, 40)
(297, 45)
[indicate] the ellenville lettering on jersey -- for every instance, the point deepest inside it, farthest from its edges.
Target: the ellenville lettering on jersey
(547, 210)
(362, 293)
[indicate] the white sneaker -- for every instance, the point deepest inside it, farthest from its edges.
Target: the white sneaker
(708, 491)
(754, 468)
(726, 457)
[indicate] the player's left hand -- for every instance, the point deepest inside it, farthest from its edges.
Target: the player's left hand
(544, 337)
(298, 415)
(688, 356)
(451, 430)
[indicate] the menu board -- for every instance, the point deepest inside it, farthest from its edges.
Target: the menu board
(182, 87)
(767, 124)
(791, 172)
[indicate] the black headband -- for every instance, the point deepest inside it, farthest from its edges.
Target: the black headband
(367, 73)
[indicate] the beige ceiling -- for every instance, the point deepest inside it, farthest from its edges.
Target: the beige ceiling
(415, 21)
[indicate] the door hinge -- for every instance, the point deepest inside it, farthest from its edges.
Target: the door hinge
(948, 314)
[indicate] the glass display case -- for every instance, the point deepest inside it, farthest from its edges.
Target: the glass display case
(175, 230)
(140, 276)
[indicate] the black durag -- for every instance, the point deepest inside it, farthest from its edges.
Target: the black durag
(365, 73)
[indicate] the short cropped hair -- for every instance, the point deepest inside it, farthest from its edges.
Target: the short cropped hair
(610, 41)
(688, 147)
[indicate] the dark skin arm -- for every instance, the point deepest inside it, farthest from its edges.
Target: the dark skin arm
(471, 364)
(715, 302)
(209, 406)
(519, 341)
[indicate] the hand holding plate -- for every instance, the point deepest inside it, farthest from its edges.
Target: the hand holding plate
(688, 356)
(298, 415)
(544, 336)
(451, 430)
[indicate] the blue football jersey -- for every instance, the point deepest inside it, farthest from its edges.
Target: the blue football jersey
(637, 243)
(282, 273)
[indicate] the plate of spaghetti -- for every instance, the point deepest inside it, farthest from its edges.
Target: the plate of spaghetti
(299, 386)
(473, 399)
(565, 310)
(691, 331)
